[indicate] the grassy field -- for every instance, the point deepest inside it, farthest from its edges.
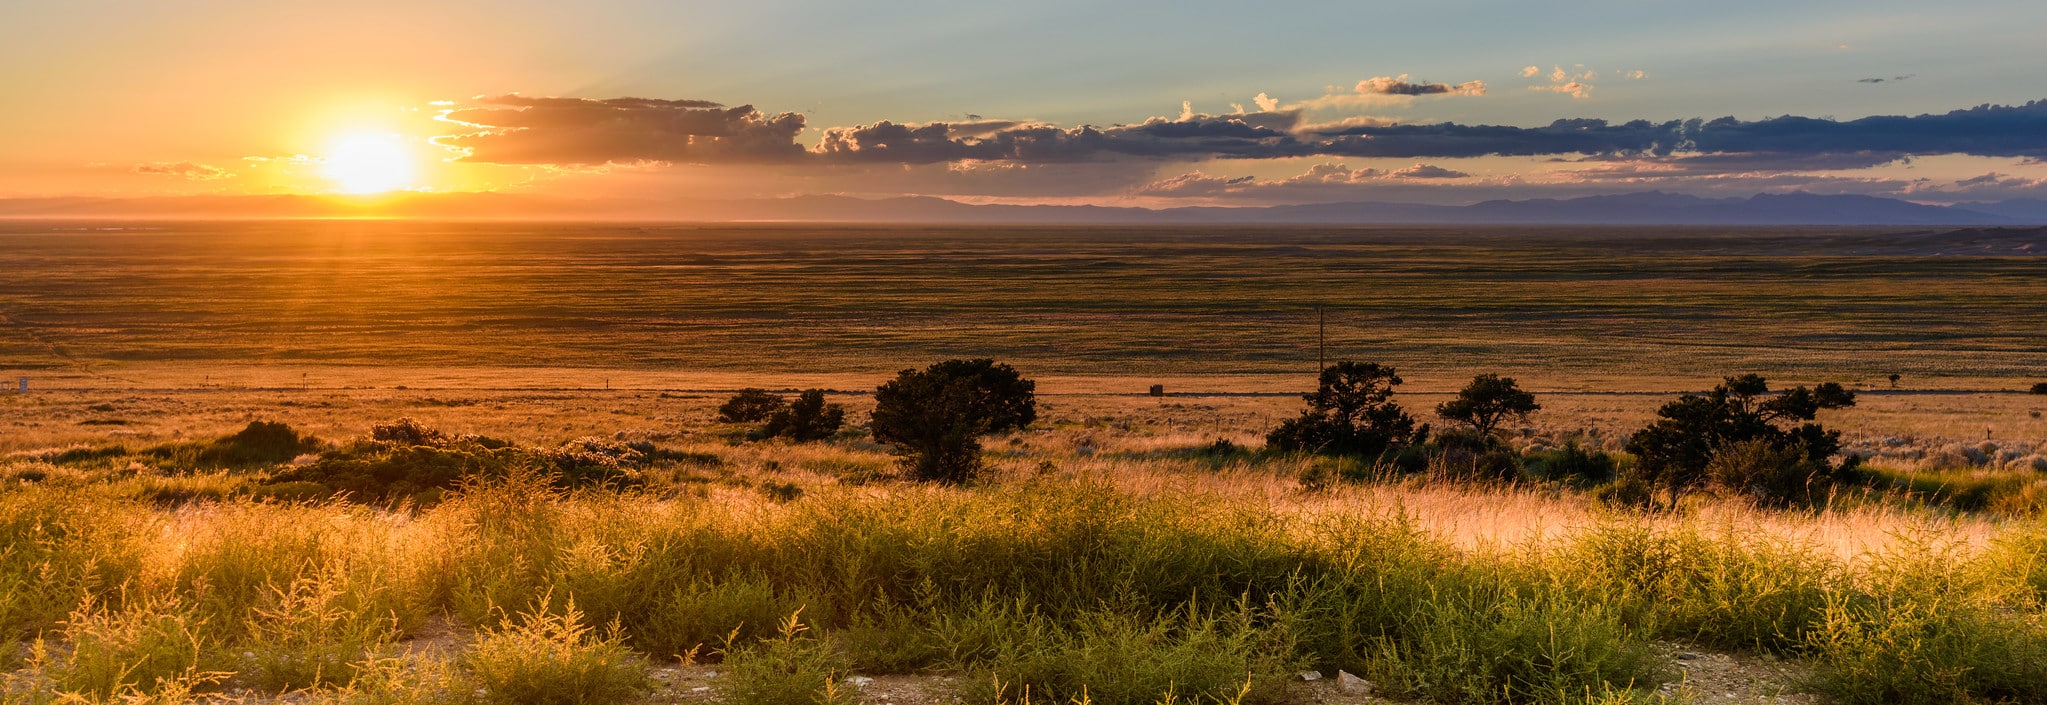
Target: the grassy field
(1111, 552)
(156, 546)
(1576, 308)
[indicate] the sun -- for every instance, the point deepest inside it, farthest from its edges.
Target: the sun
(370, 163)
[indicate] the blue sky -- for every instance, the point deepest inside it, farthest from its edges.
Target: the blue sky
(132, 97)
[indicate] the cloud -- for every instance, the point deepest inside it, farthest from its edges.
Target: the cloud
(1995, 131)
(184, 170)
(1572, 82)
(1428, 171)
(514, 129)
(1399, 85)
(519, 130)
(1752, 163)
(1892, 79)
(1573, 89)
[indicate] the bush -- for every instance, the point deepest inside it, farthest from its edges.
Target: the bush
(935, 416)
(1351, 412)
(146, 649)
(2039, 388)
(549, 659)
(1487, 401)
(408, 432)
(1114, 659)
(750, 405)
(1574, 464)
(808, 419)
(787, 669)
(1769, 475)
(1673, 453)
(258, 444)
(406, 461)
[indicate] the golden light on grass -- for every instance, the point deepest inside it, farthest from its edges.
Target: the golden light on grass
(366, 163)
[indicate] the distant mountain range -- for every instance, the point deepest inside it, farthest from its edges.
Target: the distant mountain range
(1646, 208)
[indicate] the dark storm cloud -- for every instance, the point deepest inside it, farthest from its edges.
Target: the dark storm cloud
(1993, 131)
(1254, 135)
(514, 129)
(520, 130)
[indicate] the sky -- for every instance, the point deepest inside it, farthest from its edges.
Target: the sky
(1151, 104)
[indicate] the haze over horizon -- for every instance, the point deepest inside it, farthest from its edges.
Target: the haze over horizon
(1132, 104)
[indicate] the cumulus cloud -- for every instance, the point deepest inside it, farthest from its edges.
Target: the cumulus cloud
(184, 170)
(1428, 171)
(1575, 81)
(514, 129)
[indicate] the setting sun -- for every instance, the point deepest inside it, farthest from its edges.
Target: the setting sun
(370, 163)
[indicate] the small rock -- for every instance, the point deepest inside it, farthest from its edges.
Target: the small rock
(859, 681)
(1311, 675)
(1687, 656)
(1352, 684)
(701, 689)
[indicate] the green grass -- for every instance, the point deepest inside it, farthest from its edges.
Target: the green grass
(1052, 588)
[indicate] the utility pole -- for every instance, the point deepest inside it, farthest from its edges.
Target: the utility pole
(1321, 338)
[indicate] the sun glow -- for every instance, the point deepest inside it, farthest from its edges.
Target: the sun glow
(370, 163)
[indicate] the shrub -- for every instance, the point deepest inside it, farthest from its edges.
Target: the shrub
(787, 669)
(260, 443)
(550, 659)
(404, 460)
(750, 405)
(1673, 453)
(2039, 388)
(1487, 401)
(408, 432)
(701, 614)
(143, 650)
(313, 637)
(1116, 659)
(1575, 464)
(1770, 475)
(933, 417)
(808, 419)
(1351, 412)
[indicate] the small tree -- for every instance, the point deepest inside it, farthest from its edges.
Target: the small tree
(1674, 453)
(1351, 412)
(2039, 388)
(934, 416)
(751, 405)
(808, 419)
(1487, 401)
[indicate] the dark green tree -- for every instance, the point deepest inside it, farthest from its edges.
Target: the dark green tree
(1487, 401)
(934, 417)
(1351, 412)
(751, 405)
(809, 418)
(1673, 454)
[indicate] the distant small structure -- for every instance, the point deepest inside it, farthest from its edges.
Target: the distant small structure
(24, 385)
(1157, 390)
